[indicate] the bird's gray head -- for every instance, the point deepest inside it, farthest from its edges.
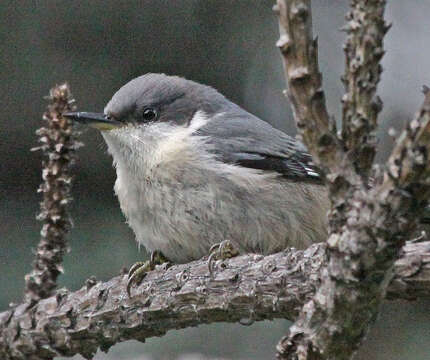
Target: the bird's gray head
(150, 120)
(155, 98)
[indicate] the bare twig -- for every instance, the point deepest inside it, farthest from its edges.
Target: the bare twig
(244, 289)
(58, 146)
(300, 57)
(363, 51)
(408, 165)
(318, 131)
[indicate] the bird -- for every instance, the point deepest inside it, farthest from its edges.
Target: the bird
(195, 170)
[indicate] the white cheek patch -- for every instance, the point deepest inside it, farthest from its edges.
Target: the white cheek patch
(175, 144)
(199, 120)
(164, 143)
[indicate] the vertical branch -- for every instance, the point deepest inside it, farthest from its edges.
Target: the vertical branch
(58, 147)
(300, 58)
(407, 176)
(366, 29)
(409, 157)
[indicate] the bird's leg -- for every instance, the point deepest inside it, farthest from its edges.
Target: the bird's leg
(139, 270)
(221, 251)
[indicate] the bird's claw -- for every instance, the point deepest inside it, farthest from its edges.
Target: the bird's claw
(137, 273)
(139, 270)
(221, 251)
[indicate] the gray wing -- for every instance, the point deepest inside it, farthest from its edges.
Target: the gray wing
(240, 138)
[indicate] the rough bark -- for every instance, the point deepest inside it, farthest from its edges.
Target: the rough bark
(244, 289)
(367, 226)
(363, 50)
(300, 59)
(59, 143)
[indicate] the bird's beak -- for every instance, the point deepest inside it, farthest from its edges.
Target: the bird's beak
(96, 120)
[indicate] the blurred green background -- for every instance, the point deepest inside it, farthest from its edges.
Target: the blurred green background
(97, 46)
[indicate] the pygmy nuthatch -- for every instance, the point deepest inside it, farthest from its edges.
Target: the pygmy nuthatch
(194, 169)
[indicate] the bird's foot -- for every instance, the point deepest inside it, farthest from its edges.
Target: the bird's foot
(139, 270)
(221, 251)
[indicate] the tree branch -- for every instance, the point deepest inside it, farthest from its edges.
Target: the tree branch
(367, 226)
(244, 289)
(300, 59)
(363, 51)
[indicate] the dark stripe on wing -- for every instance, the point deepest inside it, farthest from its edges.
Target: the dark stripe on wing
(294, 168)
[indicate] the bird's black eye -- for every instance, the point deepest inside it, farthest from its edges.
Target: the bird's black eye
(149, 114)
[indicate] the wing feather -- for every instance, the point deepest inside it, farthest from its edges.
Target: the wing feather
(238, 137)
